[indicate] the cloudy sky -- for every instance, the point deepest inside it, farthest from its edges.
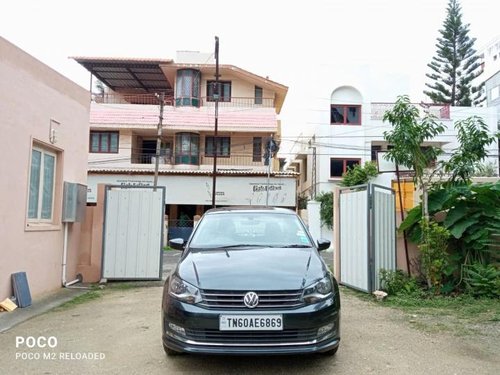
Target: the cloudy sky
(282, 39)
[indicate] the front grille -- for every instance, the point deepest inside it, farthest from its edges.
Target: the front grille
(287, 336)
(215, 299)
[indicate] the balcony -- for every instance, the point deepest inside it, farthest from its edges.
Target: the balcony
(441, 111)
(146, 162)
(152, 99)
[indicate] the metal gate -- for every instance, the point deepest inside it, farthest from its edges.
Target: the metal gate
(367, 235)
(133, 233)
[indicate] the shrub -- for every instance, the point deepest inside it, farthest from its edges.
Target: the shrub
(398, 283)
(482, 280)
(433, 253)
(359, 175)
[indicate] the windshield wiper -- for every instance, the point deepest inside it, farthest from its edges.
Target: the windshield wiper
(239, 245)
(295, 245)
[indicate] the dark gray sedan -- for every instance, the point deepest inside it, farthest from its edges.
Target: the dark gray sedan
(250, 281)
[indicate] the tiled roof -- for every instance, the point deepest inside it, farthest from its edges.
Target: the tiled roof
(227, 172)
(188, 118)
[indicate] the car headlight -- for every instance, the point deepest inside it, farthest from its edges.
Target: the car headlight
(318, 291)
(183, 291)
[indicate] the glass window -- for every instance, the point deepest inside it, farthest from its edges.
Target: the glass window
(224, 91)
(41, 186)
(188, 87)
(339, 166)
(257, 149)
(223, 146)
(187, 148)
(258, 95)
(345, 114)
(104, 142)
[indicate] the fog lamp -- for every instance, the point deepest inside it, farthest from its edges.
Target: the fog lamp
(325, 329)
(177, 329)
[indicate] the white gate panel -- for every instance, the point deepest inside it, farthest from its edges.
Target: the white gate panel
(384, 232)
(133, 232)
(354, 269)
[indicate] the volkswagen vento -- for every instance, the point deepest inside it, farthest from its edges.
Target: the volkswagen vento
(250, 281)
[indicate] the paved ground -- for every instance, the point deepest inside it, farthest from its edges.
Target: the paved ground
(119, 333)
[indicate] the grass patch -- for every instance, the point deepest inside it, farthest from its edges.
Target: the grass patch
(82, 298)
(167, 248)
(460, 315)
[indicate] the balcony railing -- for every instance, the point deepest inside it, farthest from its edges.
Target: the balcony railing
(223, 162)
(151, 159)
(153, 99)
(441, 111)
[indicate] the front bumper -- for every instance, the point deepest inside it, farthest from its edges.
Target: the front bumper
(196, 330)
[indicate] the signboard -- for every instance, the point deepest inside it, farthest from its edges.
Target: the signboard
(197, 190)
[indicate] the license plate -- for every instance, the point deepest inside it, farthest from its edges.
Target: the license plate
(251, 322)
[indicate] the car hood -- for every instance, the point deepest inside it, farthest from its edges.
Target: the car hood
(252, 268)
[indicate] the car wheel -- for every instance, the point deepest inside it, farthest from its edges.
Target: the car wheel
(331, 352)
(170, 352)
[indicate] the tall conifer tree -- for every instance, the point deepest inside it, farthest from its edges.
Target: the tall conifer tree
(456, 64)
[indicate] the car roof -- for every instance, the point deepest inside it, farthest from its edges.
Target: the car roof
(250, 209)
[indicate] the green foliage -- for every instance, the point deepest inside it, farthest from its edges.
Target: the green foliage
(472, 213)
(302, 201)
(326, 209)
(399, 283)
(456, 63)
(434, 258)
(472, 134)
(482, 280)
(485, 170)
(407, 136)
(359, 175)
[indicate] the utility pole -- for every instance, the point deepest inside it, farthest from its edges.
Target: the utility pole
(158, 140)
(216, 94)
(270, 153)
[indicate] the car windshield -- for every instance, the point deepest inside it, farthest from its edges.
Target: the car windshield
(230, 229)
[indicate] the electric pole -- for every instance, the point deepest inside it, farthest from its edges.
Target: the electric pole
(158, 140)
(216, 94)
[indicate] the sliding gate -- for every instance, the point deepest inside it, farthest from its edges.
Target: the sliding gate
(133, 233)
(367, 235)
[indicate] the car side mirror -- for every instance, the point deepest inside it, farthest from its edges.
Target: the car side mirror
(323, 244)
(177, 243)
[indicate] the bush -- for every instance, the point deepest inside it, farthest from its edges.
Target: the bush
(433, 255)
(398, 283)
(326, 209)
(482, 280)
(359, 175)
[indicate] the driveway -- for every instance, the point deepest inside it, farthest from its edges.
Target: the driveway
(119, 333)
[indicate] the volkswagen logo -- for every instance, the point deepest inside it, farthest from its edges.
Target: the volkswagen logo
(251, 300)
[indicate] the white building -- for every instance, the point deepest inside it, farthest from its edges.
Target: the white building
(345, 126)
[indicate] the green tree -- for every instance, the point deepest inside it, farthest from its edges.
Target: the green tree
(473, 136)
(406, 137)
(456, 63)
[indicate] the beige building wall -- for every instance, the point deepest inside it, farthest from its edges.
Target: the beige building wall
(31, 95)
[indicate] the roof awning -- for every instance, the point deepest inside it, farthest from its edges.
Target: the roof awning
(128, 75)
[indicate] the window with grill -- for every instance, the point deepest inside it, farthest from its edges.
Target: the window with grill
(104, 142)
(257, 149)
(221, 144)
(258, 95)
(222, 91)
